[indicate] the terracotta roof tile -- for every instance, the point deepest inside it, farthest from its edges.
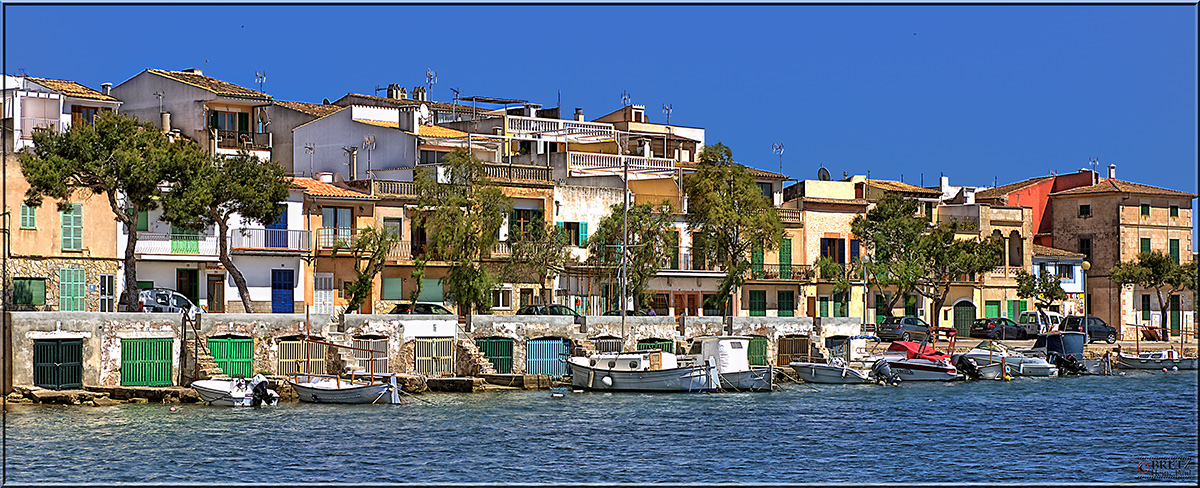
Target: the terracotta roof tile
(1040, 250)
(72, 89)
(1000, 191)
(431, 131)
(326, 190)
(315, 109)
(1118, 186)
(211, 84)
(836, 201)
(899, 186)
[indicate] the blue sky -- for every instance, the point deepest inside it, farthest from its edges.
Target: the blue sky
(981, 93)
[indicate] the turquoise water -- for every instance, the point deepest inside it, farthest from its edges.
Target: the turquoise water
(1032, 429)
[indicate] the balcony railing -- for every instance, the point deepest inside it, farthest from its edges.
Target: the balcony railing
(233, 139)
(518, 173)
(1005, 271)
(790, 215)
(189, 244)
(781, 272)
(328, 237)
(578, 161)
(397, 188)
(31, 124)
(269, 240)
(554, 128)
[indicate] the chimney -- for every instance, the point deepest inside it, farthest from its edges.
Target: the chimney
(194, 71)
(165, 122)
(579, 114)
(418, 94)
(944, 184)
(1112, 171)
(106, 88)
(352, 152)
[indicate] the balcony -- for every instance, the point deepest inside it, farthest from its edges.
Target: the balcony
(587, 164)
(514, 173)
(781, 272)
(328, 237)
(387, 188)
(790, 216)
(176, 244)
(232, 139)
(269, 240)
(558, 130)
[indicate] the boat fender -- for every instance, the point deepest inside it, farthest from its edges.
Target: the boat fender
(606, 381)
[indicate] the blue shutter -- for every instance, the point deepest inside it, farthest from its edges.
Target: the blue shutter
(583, 234)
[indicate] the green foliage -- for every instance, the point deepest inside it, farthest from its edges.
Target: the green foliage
(648, 227)
(1044, 289)
(115, 157)
(730, 214)
(418, 277)
(888, 234)
(1157, 271)
(370, 252)
(462, 217)
(538, 252)
(947, 259)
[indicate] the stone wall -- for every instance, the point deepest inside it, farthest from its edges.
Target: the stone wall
(47, 268)
(101, 335)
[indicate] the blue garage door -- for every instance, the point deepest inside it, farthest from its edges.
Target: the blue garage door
(283, 281)
(546, 356)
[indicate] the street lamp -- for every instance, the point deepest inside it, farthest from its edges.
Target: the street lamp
(1085, 266)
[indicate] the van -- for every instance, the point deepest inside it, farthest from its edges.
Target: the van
(160, 300)
(1036, 323)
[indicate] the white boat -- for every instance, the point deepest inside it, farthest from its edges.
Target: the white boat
(911, 361)
(314, 388)
(1166, 358)
(641, 371)
(732, 359)
(837, 371)
(237, 392)
(987, 353)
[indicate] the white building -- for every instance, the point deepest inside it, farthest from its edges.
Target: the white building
(36, 103)
(1068, 266)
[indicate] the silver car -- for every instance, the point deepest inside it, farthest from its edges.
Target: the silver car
(160, 300)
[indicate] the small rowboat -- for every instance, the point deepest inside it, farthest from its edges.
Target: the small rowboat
(237, 392)
(313, 388)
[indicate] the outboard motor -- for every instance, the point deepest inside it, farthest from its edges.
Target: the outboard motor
(883, 372)
(968, 367)
(260, 395)
(1069, 365)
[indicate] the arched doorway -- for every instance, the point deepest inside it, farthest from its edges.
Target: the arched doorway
(964, 314)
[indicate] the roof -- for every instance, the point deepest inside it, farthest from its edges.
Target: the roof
(72, 89)
(1118, 186)
(211, 84)
(493, 100)
(316, 109)
(900, 186)
(404, 102)
(1040, 250)
(836, 201)
(755, 172)
(431, 131)
(326, 190)
(1000, 191)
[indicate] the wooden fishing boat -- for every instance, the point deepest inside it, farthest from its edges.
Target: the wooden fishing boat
(1166, 358)
(319, 388)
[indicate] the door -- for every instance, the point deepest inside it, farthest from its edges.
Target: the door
(146, 362)
(276, 233)
(546, 356)
(187, 282)
(758, 351)
(323, 293)
(964, 314)
(296, 356)
(58, 363)
(991, 309)
(791, 348)
(108, 289)
(216, 293)
(498, 351)
(234, 355)
(1174, 302)
(282, 287)
(434, 356)
(375, 358)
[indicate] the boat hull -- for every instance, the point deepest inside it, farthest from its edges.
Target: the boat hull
(329, 391)
(922, 370)
(226, 393)
(755, 379)
(691, 378)
(829, 374)
(1134, 362)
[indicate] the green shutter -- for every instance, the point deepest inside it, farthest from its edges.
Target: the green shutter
(184, 241)
(243, 122)
(538, 217)
(1145, 244)
(28, 217)
(673, 248)
(583, 234)
(824, 306)
(1146, 209)
(758, 303)
(785, 259)
(143, 221)
(71, 287)
(72, 228)
(1174, 211)
(145, 285)
(1175, 314)
(787, 303)
(1175, 250)
(146, 362)
(880, 308)
(756, 261)
(393, 288)
(213, 120)
(1146, 307)
(29, 291)
(757, 351)
(991, 309)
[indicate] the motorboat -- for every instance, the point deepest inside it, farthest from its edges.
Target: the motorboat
(840, 369)
(731, 354)
(987, 353)
(912, 361)
(1165, 358)
(317, 388)
(236, 392)
(1065, 350)
(646, 370)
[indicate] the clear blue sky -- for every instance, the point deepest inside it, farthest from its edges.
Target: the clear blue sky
(978, 93)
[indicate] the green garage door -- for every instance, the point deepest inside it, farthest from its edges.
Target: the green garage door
(758, 351)
(146, 362)
(58, 364)
(234, 355)
(964, 314)
(499, 351)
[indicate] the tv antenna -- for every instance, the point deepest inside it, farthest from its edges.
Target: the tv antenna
(310, 148)
(379, 88)
(260, 77)
(777, 148)
(430, 80)
(624, 98)
(667, 112)
(454, 106)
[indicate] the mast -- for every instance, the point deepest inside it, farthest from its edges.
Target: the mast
(624, 239)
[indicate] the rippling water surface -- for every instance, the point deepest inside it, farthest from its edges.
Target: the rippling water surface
(1032, 429)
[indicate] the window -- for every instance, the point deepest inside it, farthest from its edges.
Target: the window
(29, 291)
(393, 289)
(72, 228)
(1065, 271)
(756, 261)
(1043, 268)
(758, 303)
(1146, 307)
(833, 249)
(502, 298)
(108, 288)
(1174, 249)
(520, 221)
(393, 224)
(841, 304)
(766, 190)
(1145, 244)
(1085, 210)
(71, 290)
(28, 217)
(853, 250)
(229, 121)
(1085, 247)
(143, 221)
(1174, 210)
(786, 303)
(711, 307)
(83, 114)
(432, 157)
(1145, 209)
(929, 209)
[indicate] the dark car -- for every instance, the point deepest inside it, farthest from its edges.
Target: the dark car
(997, 328)
(553, 309)
(902, 328)
(629, 313)
(421, 309)
(1096, 328)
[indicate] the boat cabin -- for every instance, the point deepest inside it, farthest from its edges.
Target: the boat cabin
(651, 360)
(730, 353)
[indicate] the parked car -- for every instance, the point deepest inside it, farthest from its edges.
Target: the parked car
(420, 308)
(997, 328)
(162, 300)
(629, 313)
(552, 309)
(1040, 323)
(902, 328)
(1096, 328)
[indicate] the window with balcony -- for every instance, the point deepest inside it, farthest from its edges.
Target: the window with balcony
(834, 249)
(80, 114)
(337, 224)
(521, 221)
(1065, 271)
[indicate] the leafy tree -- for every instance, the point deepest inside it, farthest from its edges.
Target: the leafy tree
(370, 253)
(1157, 271)
(1044, 289)
(208, 191)
(542, 250)
(418, 277)
(465, 212)
(649, 226)
(116, 157)
(888, 234)
(947, 259)
(729, 213)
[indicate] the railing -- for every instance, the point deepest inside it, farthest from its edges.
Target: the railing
(592, 161)
(501, 250)
(781, 272)
(160, 243)
(558, 128)
(404, 251)
(328, 237)
(1005, 271)
(233, 139)
(402, 188)
(31, 124)
(270, 239)
(790, 215)
(518, 173)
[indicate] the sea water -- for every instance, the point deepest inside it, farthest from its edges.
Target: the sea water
(1139, 427)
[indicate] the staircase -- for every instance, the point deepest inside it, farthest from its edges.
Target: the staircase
(195, 360)
(345, 361)
(474, 362)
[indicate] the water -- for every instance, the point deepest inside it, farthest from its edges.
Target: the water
(1032, 429)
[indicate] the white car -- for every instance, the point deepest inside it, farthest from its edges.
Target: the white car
(161, 300)
(1036, 323)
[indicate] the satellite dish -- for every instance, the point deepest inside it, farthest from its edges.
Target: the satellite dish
(823, 174)
(423, 113)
